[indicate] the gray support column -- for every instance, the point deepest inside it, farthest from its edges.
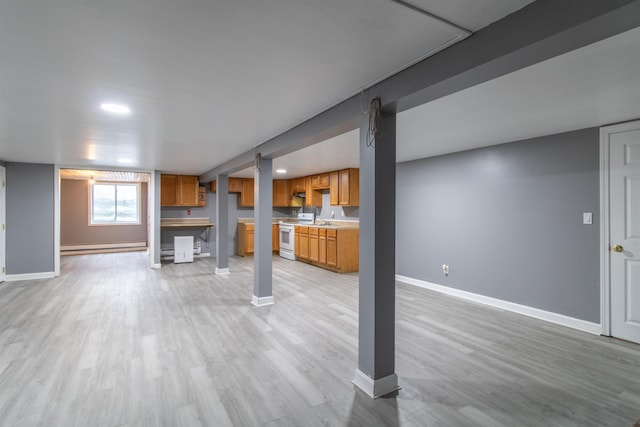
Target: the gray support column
(262, 262)
(222, 224)
(157, 209)
(376, 334)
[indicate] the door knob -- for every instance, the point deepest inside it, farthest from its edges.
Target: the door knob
(617, 248)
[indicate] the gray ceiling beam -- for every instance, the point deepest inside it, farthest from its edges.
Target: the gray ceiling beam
(540, 31)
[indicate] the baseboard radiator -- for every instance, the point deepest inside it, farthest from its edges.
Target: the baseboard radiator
(99, 248)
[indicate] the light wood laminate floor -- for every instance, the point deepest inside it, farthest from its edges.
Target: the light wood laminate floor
(113, 343)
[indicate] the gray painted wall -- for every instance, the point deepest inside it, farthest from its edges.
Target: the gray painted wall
(209, 245)
(30, 213)
(340, 212)
(75, 218)
(508, 221)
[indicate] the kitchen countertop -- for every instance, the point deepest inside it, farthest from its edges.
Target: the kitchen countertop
(320, 223)
(185, 222)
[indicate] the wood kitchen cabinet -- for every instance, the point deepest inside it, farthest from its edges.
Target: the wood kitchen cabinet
(275, 238)
(246, 238)
(312, 197)
(322, 245)
(313, 244)
(246, 197)
(281, 193)
(235, 185)
(349, 192)
(334, 188)
(178, 190)
(330, 248)
(296, 241)
(303, 242)
(297, 185)
(169, 190)
(320, 182)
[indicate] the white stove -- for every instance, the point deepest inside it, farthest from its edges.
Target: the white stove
(287, 230)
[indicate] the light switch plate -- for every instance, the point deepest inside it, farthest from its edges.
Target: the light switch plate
(587, 218)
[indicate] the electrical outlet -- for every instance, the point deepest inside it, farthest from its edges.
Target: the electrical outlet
(198, 244)
(587, 218)
(445, 269)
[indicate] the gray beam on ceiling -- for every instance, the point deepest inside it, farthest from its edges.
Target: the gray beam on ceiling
(540, 31)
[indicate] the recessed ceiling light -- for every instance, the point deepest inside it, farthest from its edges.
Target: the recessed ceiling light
(281, 171)
(115, 108)
(125, 160)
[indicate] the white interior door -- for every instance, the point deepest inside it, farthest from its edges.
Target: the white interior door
(624, 229)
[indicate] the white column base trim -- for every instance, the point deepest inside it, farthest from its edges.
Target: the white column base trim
(261, 301)
(558, 319)
(376, 388)
(29, 276)
(222, 270)
(159, 265)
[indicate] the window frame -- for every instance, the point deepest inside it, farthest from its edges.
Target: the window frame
(116, 184)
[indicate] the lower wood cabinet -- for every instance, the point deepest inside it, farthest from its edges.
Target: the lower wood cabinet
(303, 242)
(246, 237)
(329, 248)
(314, 254)
(322, 245)
(332, 248)
(275, 238)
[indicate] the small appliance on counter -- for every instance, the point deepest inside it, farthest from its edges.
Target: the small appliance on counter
(287, 248)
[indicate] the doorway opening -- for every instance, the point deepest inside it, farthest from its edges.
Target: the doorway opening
(103, 211)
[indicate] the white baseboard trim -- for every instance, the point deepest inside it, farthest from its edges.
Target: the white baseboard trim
(29, 276)
(376, 388)
(559, 319)
(261, 301)
(103, 246)
(222, 270)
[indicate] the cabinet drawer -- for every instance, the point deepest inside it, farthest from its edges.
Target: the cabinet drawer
(313, 231)
(332, 233)
(249, 227)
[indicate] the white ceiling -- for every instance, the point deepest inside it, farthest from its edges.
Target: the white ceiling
(206, 81)
(592, 86)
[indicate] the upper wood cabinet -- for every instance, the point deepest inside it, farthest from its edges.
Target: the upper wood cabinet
(178, 190)
(298, 185)
(334, 188)
(312, 197)
(235, 185)
(349, 193)
(246, 196)
(169, 190)
(320, 182)
(281, 193)
(187, 190)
